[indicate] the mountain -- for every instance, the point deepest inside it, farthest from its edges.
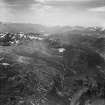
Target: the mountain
(34, 72)
(20, 27)
(29, 27)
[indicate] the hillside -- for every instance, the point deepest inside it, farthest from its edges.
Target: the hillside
(58, 69)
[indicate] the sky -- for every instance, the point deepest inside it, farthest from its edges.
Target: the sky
(54, 12)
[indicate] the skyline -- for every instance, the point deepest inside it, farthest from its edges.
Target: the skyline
(54, 12)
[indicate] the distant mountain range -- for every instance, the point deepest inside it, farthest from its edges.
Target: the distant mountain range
(20, 27)
(28, 27)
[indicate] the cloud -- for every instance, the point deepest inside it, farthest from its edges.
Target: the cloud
(19, 4)
(63, 0)
(42, 1)
(40, 7)
(53, 12)
(98, 9)
(80, 4)
(4, 12)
